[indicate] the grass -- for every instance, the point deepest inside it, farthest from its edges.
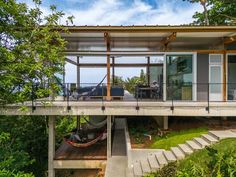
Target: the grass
(201, 157)
(174, 138)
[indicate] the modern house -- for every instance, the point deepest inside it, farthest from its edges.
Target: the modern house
(194, 68)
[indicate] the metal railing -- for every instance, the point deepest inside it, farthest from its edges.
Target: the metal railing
(174, 92)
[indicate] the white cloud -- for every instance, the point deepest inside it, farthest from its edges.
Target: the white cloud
(115, 12)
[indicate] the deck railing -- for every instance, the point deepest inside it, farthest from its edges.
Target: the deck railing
(174, 92)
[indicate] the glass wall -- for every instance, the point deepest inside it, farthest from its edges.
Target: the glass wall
(232, 77)
(179, 77)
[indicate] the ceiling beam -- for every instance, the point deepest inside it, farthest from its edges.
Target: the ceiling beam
(165, 41)
(229, 40)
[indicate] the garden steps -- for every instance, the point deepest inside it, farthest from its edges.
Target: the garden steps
(178, 153)
(201, 142)
(193, 145)
(155, 161)
(210, 139)
(170, 157)
(145, 166)
(185, 148)
(162, 161)
(154, 165)
(222, 134)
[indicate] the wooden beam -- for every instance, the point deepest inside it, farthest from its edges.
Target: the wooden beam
(229, 40)
(165, 41)
(108, 46)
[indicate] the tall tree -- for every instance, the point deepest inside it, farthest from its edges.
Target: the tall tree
(30, 50)
(216, 12)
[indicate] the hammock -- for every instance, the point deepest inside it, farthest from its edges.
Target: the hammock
(84, 145)
(97, 125)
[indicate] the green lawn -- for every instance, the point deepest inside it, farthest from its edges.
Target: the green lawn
(174, 138)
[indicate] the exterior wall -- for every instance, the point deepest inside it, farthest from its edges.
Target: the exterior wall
(202, 76)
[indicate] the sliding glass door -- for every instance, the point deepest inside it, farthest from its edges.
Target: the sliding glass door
(215, 77)
(179, 77)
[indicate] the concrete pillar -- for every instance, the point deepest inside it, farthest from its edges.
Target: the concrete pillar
(108, 136)
(51, 145)
(162, 121)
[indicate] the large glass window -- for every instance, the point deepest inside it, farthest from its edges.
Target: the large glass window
(179, 77)
(232, 77)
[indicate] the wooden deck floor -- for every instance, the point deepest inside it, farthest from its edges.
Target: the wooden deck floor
(97, 151)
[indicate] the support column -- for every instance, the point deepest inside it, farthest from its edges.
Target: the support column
(165, 122)
(51, 145)
(162, 121)
(108, 136)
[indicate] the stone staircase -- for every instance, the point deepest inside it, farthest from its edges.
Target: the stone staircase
(155, 161)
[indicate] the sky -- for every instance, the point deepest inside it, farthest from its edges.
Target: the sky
(119, 12)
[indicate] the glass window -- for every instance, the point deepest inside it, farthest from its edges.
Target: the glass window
(231, 77)
(179, 77)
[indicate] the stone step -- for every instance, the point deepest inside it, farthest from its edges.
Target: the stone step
(137, 169)
(210, 139)
(129, 172)
(145, 166)
(185, 148)
(178, 153)
(169, 156)
(201, 142)
(193, 145)
(222, 134)
(161, 159)
(154, 165)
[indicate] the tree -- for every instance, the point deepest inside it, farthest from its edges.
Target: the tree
(31, 49)
(219, 12)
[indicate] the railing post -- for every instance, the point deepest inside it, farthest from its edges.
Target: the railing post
(137, 106)
(103, 107)
(68, 98)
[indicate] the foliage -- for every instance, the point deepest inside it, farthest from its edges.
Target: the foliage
(220, 12)
(30, 50)
(174, 138)
(5, 173)
(23, 144)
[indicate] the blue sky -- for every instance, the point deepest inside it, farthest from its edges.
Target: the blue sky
(119, 12)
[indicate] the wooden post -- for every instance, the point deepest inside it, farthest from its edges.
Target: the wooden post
(113, 70)
(107, 39)
(109, 136)
(148, 70)
(224, 76)
(51, 145)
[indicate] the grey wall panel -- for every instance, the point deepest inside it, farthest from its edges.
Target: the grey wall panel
(202, 76)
